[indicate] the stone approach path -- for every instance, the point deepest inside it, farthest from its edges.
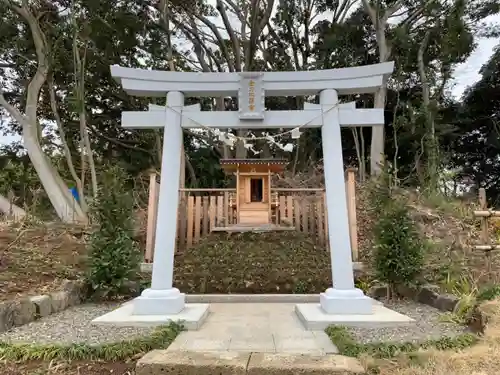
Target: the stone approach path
(254, 327)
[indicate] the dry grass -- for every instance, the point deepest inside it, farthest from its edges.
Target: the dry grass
(35, 258)
(68, 368)
(481, 359)
(451, 232)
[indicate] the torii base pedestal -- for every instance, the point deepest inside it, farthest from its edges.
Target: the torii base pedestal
(315, 318)
(192, 316)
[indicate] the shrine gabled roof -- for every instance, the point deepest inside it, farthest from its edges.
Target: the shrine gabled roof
(253, 161)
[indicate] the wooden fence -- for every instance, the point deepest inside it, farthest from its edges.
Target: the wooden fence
(485, 214)
(200, 210)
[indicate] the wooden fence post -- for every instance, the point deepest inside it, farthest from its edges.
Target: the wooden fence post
(484, 214)
(152, 213)
(484, 228)
(325, 207)
(351, 211)
(484, 220)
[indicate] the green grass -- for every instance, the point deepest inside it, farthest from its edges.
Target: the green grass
(161, 338)
(348, 346)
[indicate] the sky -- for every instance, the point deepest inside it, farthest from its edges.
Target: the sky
(465, 74)
(468, 73)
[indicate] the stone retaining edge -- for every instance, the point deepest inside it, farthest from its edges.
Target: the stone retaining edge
(253, 298)
(162, 362)
(15, 313)
(148, 267)
(427, 294)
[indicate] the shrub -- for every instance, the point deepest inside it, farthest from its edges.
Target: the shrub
(489, 293)
(399, 251)
(113, 254)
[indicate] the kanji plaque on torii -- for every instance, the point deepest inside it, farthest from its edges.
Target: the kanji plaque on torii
(251, 96)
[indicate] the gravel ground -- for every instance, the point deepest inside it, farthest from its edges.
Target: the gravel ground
(73, 326)
(428, 324)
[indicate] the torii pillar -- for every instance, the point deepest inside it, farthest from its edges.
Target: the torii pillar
(162, 298)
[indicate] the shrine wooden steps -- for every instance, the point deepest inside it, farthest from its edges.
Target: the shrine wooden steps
(259, 228)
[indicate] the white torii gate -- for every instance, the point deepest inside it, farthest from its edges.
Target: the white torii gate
(251, 87)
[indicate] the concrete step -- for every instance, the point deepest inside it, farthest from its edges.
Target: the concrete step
(162, 362)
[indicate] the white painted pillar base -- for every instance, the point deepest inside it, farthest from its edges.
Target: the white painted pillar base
(345, 302)
(162, 298)
(159, 302)
(343, 298)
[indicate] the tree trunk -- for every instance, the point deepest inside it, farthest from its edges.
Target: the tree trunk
(64, 143)
(379, 21)
(64, 204)
(88, 147)
(378, 132)
(378, 137)
(67, 209)
(10, 209)
(431, 146)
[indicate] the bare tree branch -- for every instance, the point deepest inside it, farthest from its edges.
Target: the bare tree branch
(232, 36)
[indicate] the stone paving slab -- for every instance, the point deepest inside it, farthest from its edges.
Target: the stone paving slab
(290, 364)
(163, 362)
(254, 327)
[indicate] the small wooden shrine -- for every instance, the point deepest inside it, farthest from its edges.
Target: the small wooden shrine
(253, 200)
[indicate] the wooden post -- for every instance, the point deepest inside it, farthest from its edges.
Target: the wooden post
(321, 217)
(237, 194)
(190, 220)
(325, 207)
(485, 213)
(152, 214)
(487, 247)
(197, 218)
(484, 219)
(227, 219)
(182, 213)
(483, 204)
(351, 211)
(212, 212)
(269, 202)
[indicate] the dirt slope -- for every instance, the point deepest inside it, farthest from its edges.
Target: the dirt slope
(36, 258)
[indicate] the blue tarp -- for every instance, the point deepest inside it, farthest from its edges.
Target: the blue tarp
(74, 192)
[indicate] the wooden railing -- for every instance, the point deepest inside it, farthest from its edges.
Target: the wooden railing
(303, 209)
(488, 246)
(485, 214)
(306, 210)
(200, 210)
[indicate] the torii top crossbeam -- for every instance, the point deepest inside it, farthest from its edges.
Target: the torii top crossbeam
(252, 88)
(355, 80)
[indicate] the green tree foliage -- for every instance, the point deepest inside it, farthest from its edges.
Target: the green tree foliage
(476, 144)
(113, 253)
(399, 250)
(339, 34)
